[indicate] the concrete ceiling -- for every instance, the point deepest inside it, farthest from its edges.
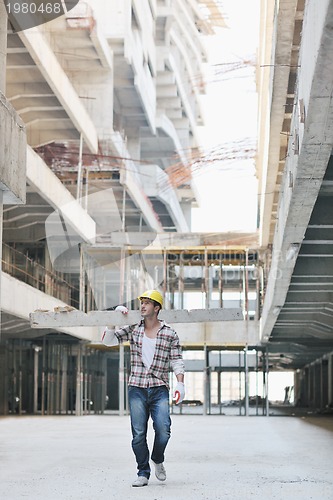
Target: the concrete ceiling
(297, 317)
(304, 324)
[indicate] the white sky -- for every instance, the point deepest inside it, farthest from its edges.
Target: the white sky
(227, 192)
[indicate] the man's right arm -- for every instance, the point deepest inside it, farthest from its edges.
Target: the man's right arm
(109, 337)
(112, 337)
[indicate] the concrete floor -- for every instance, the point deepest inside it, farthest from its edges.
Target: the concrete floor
(208, 457)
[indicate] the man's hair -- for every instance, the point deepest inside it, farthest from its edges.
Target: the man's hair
(156, 304)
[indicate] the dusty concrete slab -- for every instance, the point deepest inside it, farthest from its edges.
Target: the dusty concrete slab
(209, 457)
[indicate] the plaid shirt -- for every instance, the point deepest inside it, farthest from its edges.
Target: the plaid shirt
(167, 352)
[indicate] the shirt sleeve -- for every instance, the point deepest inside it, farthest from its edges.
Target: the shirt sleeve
(176, 356)
(124, 333)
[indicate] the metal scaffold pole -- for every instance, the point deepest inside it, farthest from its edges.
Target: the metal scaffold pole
(121, 346)
(206, 280)
(246, 382)
(206, 403)
(82, 290)
(267, 372)
(181, 285)
(220, 283)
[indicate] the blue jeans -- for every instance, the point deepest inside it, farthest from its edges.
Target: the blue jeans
(154, 402)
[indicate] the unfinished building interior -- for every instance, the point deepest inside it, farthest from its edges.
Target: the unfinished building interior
(99, 117)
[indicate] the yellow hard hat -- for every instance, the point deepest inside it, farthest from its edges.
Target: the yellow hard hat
(152, 295)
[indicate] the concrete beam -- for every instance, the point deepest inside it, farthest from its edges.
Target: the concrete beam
(49, 319)
(38, 137)
(180, 241)
(217, 334)
(228, 332)
(27, 90)
(283, 50)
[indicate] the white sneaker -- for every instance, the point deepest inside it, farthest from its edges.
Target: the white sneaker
(140, 481)
(160, 471)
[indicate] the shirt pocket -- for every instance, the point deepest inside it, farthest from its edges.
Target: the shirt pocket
(163, 346)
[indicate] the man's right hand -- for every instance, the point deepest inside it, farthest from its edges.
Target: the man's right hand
(108, 337)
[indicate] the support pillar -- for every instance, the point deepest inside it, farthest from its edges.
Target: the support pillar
(330, 380)
(79, 380)
(246, 383)
(3, 46)
(4, 381)
(206, 402)
(206, 281)
(267, 372)
(3, 52)
(82, 290)
(35, 397)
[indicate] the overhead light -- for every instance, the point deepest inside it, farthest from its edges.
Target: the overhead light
(292, 251)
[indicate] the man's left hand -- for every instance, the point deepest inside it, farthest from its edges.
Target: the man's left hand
(179, 393)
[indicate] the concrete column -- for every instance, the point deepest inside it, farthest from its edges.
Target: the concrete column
(181, 285)
(187, 211)
(82, 298)
(79, 381)
(219, 386)
(64, 381)
(317, 386)
(330, 379)
(206, 402)
(3, 52)
(4, 384)
(134, 144)
(306, 378)
(324, 382)
(3, 46)
(266, 380)
(206, 280)
(35, 396)
(309, 387)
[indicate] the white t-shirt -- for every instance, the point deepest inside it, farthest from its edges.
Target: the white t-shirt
(148, 350)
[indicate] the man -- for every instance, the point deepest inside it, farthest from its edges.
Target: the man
(154, 346)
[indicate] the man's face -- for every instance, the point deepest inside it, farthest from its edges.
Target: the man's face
(147, 308)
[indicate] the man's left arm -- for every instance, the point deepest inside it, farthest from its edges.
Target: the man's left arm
(178, 366)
